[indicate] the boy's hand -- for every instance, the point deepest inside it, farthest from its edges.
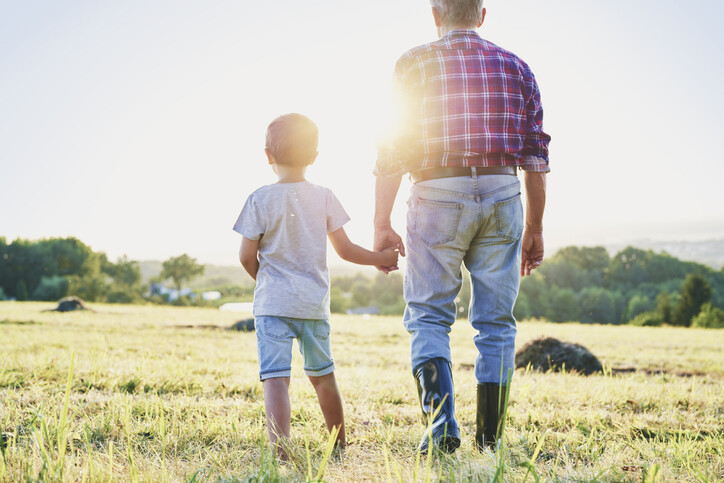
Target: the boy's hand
(389, 258)
(387, 238)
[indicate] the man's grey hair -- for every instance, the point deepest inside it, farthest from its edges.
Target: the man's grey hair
(459, 12)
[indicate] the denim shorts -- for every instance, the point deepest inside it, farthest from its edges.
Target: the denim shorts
(274, 336)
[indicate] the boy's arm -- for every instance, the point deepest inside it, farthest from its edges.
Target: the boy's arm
(385, 193)
(356, 254)
(248, 256)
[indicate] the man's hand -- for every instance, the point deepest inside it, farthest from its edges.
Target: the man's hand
(386, 238)
(532, 255)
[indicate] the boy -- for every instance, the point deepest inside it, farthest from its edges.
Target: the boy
(284, 228)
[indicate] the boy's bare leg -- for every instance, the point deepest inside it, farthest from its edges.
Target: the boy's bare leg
(278, 412)
(330, 400)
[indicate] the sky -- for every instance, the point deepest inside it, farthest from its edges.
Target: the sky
(138, 127)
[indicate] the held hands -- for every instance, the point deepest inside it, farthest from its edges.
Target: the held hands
(388, 241)
(389, 258)
(532, 253)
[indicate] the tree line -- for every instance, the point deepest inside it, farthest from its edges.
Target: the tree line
(634, 286)
(581, 284)
(54, 268)
(576, 284)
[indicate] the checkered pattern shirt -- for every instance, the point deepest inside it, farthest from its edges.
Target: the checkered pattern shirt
(464, 102)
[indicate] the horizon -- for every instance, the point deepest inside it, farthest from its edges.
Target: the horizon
(139, 128)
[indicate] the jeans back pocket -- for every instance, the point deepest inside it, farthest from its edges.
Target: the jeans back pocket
(509, 218)
(436, 222)
(274, 327)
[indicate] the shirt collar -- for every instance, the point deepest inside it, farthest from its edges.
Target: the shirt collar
(456, 33)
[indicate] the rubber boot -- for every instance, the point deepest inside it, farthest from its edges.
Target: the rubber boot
(489, 420)
(435, 389)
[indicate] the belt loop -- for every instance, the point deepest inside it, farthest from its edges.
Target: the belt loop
(474, 175)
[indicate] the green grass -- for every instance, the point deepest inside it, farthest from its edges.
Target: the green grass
(131, 393)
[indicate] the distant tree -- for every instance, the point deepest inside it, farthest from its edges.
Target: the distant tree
(710, 317)
(522, 310)
(338, 302)
(181, 269)
(345, 283)
(663, 307)
(639, 304)
(628, 268)
(386, 289)
(633, 267)
(124, 272)
(576, 267)
(695, 292)
(92, 287)
(51, 288)
(563, 305)
(598, 305)
(536, 290)
(126, 286)
(21, 290)
(70, 256)
(362, 293)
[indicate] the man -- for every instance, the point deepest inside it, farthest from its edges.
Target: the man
(471, 116)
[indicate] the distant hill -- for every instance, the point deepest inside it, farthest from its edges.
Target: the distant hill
(707, 252)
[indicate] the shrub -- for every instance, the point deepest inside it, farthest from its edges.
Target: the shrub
(710, 317)
(695, 292)
(183, 301)
(2, 294)
(639, 304)
(51, 288)
(124, 296)
(647, 319)
(21, 290)
(337, 301)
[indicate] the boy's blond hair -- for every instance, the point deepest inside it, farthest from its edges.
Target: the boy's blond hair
(292, 139)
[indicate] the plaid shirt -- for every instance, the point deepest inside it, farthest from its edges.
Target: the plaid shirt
(464, 102)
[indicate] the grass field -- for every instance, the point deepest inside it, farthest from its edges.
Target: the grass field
(164, 394)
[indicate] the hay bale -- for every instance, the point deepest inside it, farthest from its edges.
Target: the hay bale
(547, 354)
(69, 304)
(246, 325)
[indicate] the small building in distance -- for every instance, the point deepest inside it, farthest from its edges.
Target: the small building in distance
(169, 293)
(371, 310)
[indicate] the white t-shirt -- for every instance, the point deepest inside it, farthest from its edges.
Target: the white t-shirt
(291, 222)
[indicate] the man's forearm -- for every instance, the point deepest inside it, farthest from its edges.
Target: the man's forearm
(385, 194)
(535, 190)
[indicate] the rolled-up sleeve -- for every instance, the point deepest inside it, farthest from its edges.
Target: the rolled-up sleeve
(535, 147)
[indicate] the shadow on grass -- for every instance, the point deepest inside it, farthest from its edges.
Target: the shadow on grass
(18, 322)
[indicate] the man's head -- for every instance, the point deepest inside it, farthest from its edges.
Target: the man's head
(291, 140)
(451, 14)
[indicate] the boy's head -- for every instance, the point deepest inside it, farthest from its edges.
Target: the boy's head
(291, 140)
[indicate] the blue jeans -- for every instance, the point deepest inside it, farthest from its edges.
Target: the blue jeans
(274, 336)
(477, 221)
